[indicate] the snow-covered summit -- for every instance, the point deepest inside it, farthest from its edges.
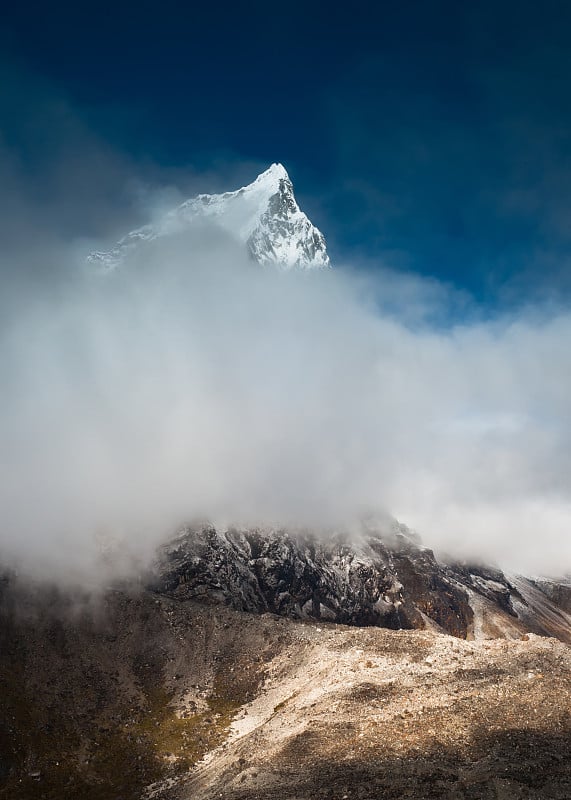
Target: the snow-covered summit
(264, 216)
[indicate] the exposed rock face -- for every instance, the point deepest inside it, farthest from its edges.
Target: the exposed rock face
(295, 577)
(389, 582)
(284, 235)
(557, 591)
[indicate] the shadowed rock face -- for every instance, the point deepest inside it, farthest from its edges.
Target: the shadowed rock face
(336, 579)
(373, 580)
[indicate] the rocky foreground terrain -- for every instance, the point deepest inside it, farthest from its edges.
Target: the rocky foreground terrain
(180, 687)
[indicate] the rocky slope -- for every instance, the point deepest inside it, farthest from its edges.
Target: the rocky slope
(375, 715)
(387, 580)
(264, 217)
(137, 694)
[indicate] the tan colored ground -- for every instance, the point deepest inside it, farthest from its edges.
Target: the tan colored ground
(368, 713)
(100, 702)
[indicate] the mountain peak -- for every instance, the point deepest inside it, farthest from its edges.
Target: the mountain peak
(264, 216)
(274, 173)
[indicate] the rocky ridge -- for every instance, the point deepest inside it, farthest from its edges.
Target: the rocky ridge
(386, 580)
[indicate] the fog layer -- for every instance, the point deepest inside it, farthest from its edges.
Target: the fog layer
(192, 383)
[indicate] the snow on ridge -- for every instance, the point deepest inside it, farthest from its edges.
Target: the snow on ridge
(263, 215)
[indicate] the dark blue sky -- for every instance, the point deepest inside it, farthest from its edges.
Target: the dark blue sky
(434, 136)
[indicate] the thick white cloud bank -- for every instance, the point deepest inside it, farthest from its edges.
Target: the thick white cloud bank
(193, 383)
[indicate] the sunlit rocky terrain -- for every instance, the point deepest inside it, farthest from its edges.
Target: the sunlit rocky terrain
(176, 685)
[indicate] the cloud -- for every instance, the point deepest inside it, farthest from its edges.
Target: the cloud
(192, 383)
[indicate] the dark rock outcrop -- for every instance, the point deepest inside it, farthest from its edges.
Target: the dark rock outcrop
(384, 580)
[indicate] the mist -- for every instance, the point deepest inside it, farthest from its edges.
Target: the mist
(191, 383)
